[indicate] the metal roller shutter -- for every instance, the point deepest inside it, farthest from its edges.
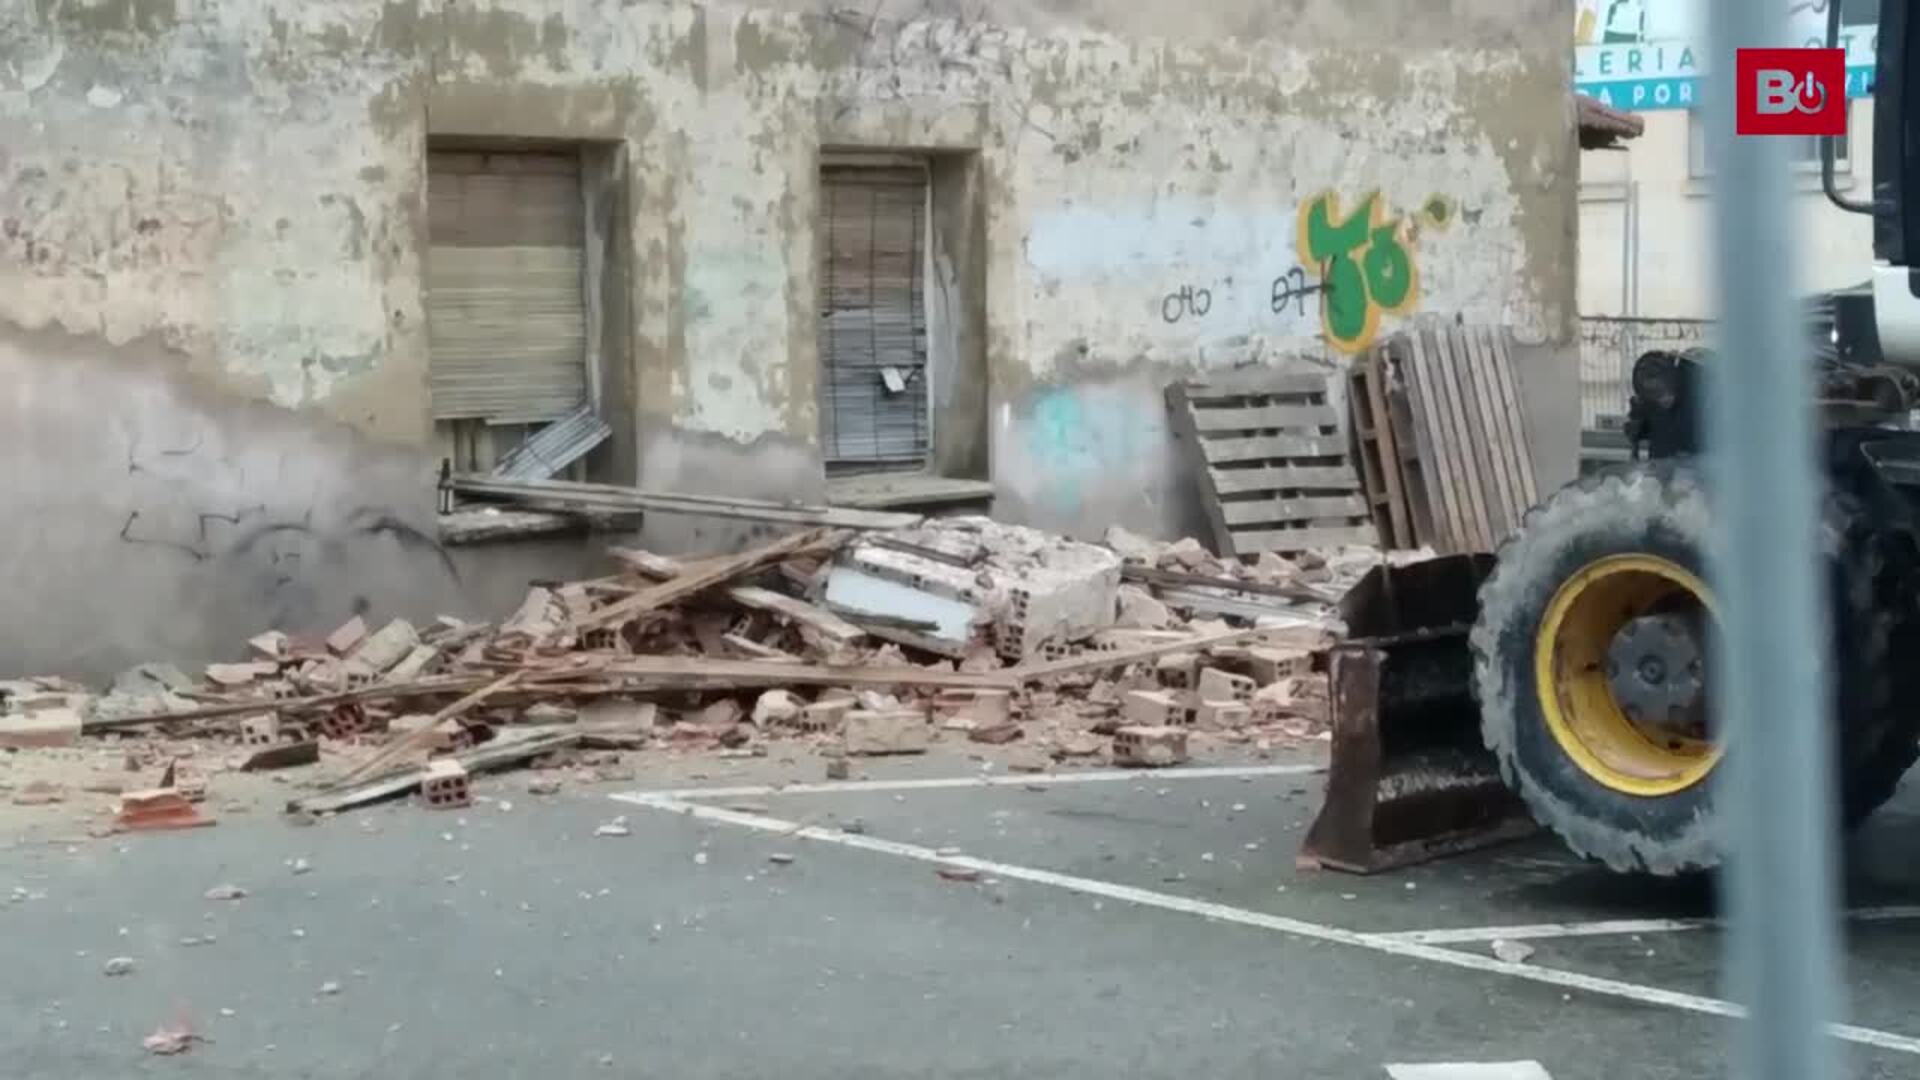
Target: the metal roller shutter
(506, 311)
(873, 326)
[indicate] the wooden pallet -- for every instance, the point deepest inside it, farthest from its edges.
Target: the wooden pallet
(1377, 452)
(1273, 464)
(1455, 416)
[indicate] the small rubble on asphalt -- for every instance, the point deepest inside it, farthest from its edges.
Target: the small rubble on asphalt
(1010, 644)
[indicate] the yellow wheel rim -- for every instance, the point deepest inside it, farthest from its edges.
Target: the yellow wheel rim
(1575, 690)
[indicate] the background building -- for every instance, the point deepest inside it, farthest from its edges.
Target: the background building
(1645, 210)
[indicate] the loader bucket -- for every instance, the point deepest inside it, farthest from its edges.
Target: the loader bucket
(1410, 779)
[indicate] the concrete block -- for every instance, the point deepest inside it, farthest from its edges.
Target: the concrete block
(260, 729)
(1149, 747)
(1223, 715)
(348, 636)
(1155, 708)
(387, 646)
(48, 727)
(897, 731)
(777, 707)
(1217, 685)
(824, 715)
(1176, 671)
(1270, 664)
(445, 786)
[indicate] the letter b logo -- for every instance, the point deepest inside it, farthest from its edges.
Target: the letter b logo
(1791, 91)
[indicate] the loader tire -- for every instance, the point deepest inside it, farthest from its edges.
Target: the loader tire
(1657, 814)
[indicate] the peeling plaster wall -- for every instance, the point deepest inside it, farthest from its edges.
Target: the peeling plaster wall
(214, 210)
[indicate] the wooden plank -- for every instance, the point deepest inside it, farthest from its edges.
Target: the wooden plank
(1255, 511)
(1452, 360)
(1263, 417)
(427, 734)
(501, 752)
(826, 622)
(1105, 661)
(1504, 513)
(1446, 502)
(1414, 481)
(1269, 385)
(1399, 513)
(1304, 539)
(1274, 447)
(612, 496)
(1482, 455)
(699, 579)
(1440, 414)
(1514, 418)
(1178, 579)
(697, 673)
(1180, 407)
(1285, 478)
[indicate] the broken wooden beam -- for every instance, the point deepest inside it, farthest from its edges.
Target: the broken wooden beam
(1101, 661)
(696, 673)
(497, 754)
(561, 494)
(709, 574)
(829, 625)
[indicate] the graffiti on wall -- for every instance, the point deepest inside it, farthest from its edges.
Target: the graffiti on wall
(1367, 260)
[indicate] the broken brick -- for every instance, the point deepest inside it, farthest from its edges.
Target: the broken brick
(894, 731)
(1269, 665)
(1217, 685)
(1175, 671)
(996, 734)
(48, 727)
(350, 634)
(260, 729)
(445, 786)
(1222, 715)
(823, 715)
(1156, 708)
(157, 809)
(776, 707)
(1149, 747)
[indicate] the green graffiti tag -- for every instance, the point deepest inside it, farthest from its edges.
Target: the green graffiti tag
(1366, 261)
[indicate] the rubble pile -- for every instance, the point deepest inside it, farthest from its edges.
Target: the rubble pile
(874, 643)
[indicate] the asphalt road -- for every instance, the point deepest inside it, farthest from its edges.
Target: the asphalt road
(1130, 927)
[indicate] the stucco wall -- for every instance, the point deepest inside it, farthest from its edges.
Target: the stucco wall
(211, 231)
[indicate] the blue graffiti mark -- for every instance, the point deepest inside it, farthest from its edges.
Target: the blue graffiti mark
(1088, 439)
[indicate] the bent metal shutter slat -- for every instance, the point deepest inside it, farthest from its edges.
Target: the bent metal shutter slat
(506, 314)
(873, 326)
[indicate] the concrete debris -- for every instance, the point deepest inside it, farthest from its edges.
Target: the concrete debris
(328, 989)
(616, 827)
(168, 1040)
(951, 629)
(226, 892)
(1511, 952)
(118, 965)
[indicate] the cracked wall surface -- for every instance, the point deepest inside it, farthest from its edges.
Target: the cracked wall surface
(212, 222)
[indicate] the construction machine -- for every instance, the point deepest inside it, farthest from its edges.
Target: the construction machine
(1587, 643)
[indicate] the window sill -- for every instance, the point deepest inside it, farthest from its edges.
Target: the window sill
(891, 491)
(1805, 181)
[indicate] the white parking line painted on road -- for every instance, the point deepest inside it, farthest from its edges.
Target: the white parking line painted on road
(1566, 980)
(937, 783)
(1470, 1070)
(1605, 927)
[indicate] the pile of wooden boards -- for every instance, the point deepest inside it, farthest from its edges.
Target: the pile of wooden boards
(720, 653)
(1442, 438)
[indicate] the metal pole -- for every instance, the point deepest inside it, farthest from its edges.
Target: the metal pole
(1771, 699)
